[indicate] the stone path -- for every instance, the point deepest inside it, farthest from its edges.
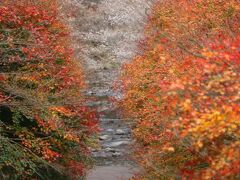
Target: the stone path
(111, 172)
(106, 33)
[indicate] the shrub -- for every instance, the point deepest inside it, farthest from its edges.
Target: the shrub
(45, 129)
(183, 91)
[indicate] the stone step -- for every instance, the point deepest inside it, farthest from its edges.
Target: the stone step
(105, 119)
(112, 173)
(117, 143)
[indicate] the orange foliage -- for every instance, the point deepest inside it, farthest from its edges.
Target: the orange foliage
(183, 92)
(40, 85)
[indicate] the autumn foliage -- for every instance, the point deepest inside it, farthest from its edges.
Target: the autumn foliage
(183, 91)
(45, 129)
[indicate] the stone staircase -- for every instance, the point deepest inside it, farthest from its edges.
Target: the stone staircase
(105, 34)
